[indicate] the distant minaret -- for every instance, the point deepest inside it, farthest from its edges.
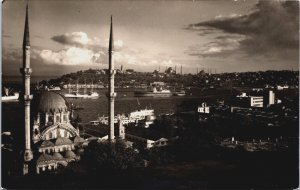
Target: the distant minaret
(181, 69)
(26, 71)
(111, 86)
(175, 69)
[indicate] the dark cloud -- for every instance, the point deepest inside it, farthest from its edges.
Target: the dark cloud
(73, 39)
(272, 27)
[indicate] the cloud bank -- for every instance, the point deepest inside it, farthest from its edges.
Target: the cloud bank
(79, 49)
(272, 27)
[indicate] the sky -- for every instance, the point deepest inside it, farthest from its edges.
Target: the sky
(223, 36)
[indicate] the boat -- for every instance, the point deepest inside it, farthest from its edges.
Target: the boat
(154, 93)
(141, 114)
(145, 116)
(179, 93)
(54, 88)
(9, 96)
(76, 94)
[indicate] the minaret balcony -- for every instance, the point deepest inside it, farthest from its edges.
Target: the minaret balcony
(28, 97)
(111, 95)
(112, 72)
(26, 71)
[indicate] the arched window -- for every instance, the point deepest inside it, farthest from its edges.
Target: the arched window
(50, 119)
(57, 118)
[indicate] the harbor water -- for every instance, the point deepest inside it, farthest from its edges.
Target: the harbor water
(125, 103)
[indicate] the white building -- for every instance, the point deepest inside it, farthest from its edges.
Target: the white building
(203, 108)
(271, 98)
(256, 101)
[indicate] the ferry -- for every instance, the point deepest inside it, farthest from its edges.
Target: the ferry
(76, 94)
(154, 93)
(146, 115)
(141, 114)
(7, 97)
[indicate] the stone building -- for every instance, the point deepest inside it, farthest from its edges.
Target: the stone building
(54, 138)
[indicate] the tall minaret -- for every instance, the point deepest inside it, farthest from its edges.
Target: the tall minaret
(111, 91)
(26, 71)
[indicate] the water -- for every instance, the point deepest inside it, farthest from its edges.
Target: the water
(125, 103)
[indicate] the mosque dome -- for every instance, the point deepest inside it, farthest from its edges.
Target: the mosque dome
(70, 154)
(62, 141)
(45, 158)
(46, 143)
(51, 102)
(57, 156)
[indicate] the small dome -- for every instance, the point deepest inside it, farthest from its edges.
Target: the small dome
(78, 140)
(45, 158)
(62, 141)
(57, 156)
(46, 144)
(70, 154)
(51, 101)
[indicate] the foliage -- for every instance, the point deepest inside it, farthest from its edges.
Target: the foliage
(106, 156)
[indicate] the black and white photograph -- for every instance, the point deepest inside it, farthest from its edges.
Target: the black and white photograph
(150, 94)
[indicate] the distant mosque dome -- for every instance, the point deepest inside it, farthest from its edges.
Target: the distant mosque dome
(51, 102)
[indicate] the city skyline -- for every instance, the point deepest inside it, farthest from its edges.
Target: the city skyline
(66, 37)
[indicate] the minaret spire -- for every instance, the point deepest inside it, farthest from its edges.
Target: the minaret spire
(111, 37)
(26, 72)
(26, 41)
(111, 91)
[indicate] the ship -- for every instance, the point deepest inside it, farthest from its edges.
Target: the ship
(145, 116)
(76, 94)
(154, 93)
(9, 96)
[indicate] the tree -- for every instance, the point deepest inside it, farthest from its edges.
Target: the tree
(106, 156)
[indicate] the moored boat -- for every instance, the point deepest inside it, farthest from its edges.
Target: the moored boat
(9, 96)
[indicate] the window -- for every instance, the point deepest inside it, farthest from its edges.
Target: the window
(57, 118)
(65, 118)
(50, 119)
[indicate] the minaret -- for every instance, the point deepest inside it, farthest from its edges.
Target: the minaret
(26, 71)
(181, 70)
(111, 86)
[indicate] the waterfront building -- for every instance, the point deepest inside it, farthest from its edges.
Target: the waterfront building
(256, 101)
(271, 98)
(203, 108)
(244, 100)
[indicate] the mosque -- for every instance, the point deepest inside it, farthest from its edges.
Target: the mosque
(51, 140)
